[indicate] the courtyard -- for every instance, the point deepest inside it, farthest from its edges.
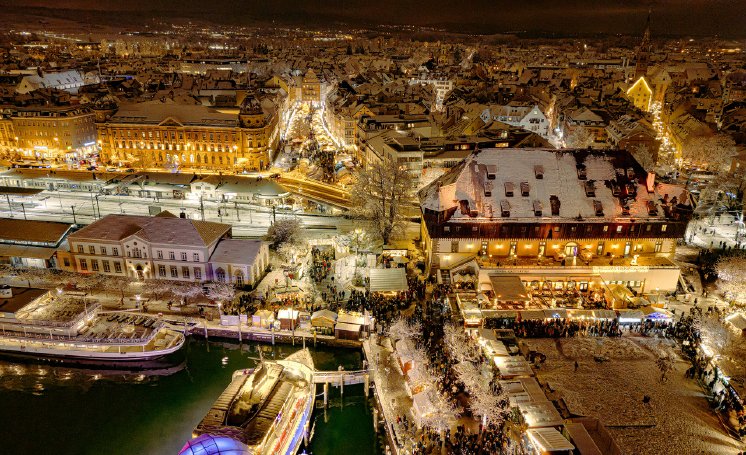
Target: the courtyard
(611, 380)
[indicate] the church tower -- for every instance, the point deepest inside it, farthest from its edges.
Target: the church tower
(642, 57)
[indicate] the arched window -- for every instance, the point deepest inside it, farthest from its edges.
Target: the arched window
(238, 278)
(220, 275)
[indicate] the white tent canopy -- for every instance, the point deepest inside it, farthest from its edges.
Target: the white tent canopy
(549, 440)
(422, 406)
(388, 280)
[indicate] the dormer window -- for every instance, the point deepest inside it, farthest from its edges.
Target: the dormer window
(525, 189)
(590, 189)
(582, 173)
(508, 189)
(487, 189)
(598, 208)
(537, 208)
(554, 202)
(539, 171)
(652, 208)
(491, 171)
(505, 209)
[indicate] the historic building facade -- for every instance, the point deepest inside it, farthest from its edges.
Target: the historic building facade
(157, 135)
(166, 247)
(556, 213)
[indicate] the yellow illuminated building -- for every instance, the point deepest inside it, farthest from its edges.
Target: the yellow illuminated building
(641, 94)
(54, 133)
(156, 135)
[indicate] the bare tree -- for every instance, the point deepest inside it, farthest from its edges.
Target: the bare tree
(713, 152)
(731, 271)
(401, 329)
(579, 138)
(221, 292)
(380, 195)
(287, 230)
(185, 290)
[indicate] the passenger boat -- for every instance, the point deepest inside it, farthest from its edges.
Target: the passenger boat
(65, 328)
(266, 409)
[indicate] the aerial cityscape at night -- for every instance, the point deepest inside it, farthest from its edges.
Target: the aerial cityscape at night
(397, 227)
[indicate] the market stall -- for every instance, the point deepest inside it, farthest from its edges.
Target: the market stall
(323, 321)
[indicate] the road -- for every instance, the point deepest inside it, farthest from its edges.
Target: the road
(248, 220)
(316, 191)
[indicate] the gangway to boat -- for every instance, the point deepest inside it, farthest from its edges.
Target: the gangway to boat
(336, 377)
(340, 378)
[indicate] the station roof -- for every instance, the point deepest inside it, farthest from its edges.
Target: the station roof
(15, 231)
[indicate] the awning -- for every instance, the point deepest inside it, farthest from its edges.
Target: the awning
(539, 414)
(324, 314)
(555, 313)
(604, 314)
(630, 316)
(549, 440)
(523, 390)
(345, 327)
(388, 280)
(508, 288)
(532, 314)
(20, 251)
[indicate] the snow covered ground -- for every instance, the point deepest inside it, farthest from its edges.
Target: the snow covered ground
(676, 421)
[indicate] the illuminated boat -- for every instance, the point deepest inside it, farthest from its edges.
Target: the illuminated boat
(56, 327)
(267, 408)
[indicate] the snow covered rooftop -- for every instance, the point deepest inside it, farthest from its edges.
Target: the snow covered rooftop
(542, 185)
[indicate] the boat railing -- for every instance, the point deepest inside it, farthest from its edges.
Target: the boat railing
(64, 324)
(86, 340)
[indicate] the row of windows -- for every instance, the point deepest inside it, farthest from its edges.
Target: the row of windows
(172, 135)
(65, 123)
(184, 272)
(105, 264)
(588, 229)
(172, 255)
(178, 147)
(103, 250)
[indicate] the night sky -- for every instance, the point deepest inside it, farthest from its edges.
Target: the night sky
(671, 17)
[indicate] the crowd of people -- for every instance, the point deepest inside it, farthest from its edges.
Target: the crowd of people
(321, 263)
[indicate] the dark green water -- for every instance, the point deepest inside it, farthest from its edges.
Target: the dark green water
(61, 411)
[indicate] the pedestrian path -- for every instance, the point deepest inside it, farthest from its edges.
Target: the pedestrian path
(392, 395)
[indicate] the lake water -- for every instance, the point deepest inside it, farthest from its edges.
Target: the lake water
(57, 410)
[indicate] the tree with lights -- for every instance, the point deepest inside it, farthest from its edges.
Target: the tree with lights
(380, 195)
(731, 271)
(185, 290)
(223, 293)
(713, 152)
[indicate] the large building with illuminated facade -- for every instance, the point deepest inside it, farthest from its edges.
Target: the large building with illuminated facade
(54, 133)
(165, 247)
(555, 218)
(157, 135)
